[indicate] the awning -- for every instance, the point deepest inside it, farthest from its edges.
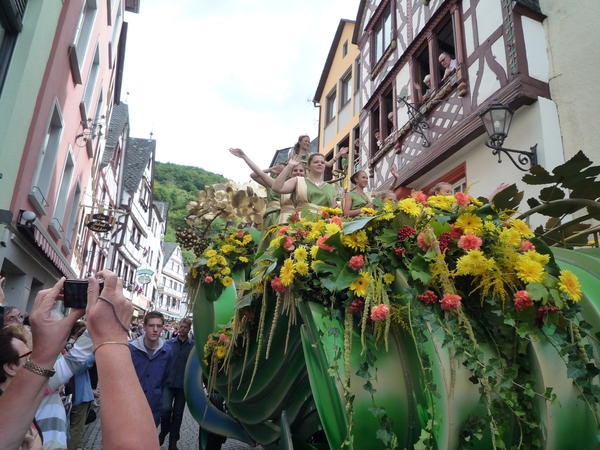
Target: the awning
(170, 315)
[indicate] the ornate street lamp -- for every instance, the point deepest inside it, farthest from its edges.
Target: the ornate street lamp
(497, 119)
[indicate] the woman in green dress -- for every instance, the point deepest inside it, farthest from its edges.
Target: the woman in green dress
(358, 198)
(310, 192)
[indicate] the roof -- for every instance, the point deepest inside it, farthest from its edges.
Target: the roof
(137, 154)
(359, 20)
(118, 120)
(162, 208)
(533, 5)
(169, 248)
(329, 61)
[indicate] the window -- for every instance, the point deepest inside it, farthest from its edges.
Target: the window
(345, 49)
(328, 174)
(346, 89)
(382, 35)
(357, 74)
(56, 225)
(330, 110)
(90, 87)
(81, 38)
(45, 165)
(70, 227)
(116, 26)
(11, 24)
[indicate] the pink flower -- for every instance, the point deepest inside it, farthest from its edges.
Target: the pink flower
(357, 262)
(379, 312)
(450, 302)
(288, 244)
(277, 285)
(526, 246)
(240, 234)
(469, 242)
(423, 244)
(457, 232)
(224, 338)
(208, 279)
(420, 197)
(522, 300)
(283, 230)
(337, 221)
(320, 243)
(210, 342)
(462, 199)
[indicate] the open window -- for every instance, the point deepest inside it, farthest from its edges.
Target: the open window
(376, 139)
(422, 75)
(446, 46)
(328, 174)
(388, 113)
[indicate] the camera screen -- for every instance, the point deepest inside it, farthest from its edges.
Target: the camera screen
(75, 293)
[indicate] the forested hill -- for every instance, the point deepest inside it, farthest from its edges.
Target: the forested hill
(178, 185)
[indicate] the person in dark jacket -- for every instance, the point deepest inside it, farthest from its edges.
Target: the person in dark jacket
(152, 361)
(173, 395)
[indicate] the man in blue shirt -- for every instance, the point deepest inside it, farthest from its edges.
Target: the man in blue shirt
(173, 395)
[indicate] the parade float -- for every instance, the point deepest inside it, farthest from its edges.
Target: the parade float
(439, 322)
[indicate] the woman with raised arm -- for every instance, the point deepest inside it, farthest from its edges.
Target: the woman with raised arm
(300, 148)
(312, 191)
(358, 198)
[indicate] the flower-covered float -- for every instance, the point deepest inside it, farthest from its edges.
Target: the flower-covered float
(437, 322)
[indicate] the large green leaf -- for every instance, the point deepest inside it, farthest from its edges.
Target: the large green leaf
(539, 175)
(551, 193)
(356, 224)
(508, 198)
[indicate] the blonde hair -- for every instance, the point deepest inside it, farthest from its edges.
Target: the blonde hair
(24, 331)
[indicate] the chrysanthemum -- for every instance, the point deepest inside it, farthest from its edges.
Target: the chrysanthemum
(287, 272)
(300, 253)
(490, 227)
(211, 262)
(529, 271)
(210, 253)
(301, 268)
(445, 202)
(315, 263)
(388, 206)
(227, 248)
(359, 286)
(469, 242)
(569, 284)
(332, 211)
(474, 263)
(537, 257)
(332, 228)
(470, 223)
(247, 239)
(227, 281)
(222, 261)
(225, 270)
(313, 251)
(276, 242)
(410, 206)
(462, 199)
(522, 228)
(388, 278)
(356, 241)
(243, 259)
(367, 211)
(221, 350)
(316, 230)
(510, 236)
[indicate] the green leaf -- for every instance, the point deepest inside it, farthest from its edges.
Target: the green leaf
(356, 224)
(539, 175)
(419, 269)
(508, 198)
(537, 291)
(575, 369)
(551, 193)
(244, 301)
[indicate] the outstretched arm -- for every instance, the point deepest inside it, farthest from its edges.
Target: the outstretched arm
(342, 153)
(261, 175)
(500, 188)
(280, 185)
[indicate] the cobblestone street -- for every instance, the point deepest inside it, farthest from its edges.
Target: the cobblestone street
(92, 436)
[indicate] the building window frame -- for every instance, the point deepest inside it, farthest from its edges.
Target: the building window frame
(383, 34)
(346, 88)
(81, 38)
(330, 106)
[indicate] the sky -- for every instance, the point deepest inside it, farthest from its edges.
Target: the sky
(207, 75)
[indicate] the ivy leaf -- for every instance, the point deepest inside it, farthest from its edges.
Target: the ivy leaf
(377, 411)
(368, 386)
(575, 369)
(363, 371)
(537, 291)
(335, 332)
(371, 358)
(419, 269)
(384, 436)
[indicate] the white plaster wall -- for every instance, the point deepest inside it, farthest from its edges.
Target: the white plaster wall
(573, 34)
(489, 18)
(535, 48)
(489, 83)
(402, 80)
(469, 36)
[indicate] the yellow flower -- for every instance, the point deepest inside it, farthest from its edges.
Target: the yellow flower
(331, 229)
(300, 253)
(445, 202)
(315, 232)
(388, 206)
(276, 242)
(227, 248)
(470, 223)
(356, 241)
(227, 281)
(367, 211)
(301, 268)
(243, 259)
(287, 272)
(474, 263)
(537, 257)
(569, 284)
(529, 271)
(211, 262)
(510, 236)
(410, 206)
(313, 251)
(247, 239)
(522, 228)
(388, 278)
(221, 351)
(359, 286)
(315, 263)
(226, 271)
(222, 261)
(333, 211)
(210, 253)
(429, 211)
(490, 227)
(386, 216)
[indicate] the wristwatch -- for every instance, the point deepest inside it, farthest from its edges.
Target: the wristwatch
(49, 373)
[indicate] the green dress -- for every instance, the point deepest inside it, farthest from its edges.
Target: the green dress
(359, 200)
(271, 216)
(313, 197)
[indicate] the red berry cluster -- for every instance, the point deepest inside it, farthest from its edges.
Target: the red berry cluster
(356, 306)
(405, 232)
(429, 297)
(399, 251)
(542, 311)
(444, 240)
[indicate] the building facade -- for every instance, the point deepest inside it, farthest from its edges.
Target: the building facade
(171, 286)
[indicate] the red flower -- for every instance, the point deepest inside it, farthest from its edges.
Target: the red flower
(399, 251)
(379, 312)
(325, 214)
(429, 297)
(288, 244)
(457, 232)
(240, 234)
(522, 300)
(444, 241)
(356, 306)
(420, 197)
(283, 230)
(357, 262)
(296, 217)
(462, 199)
(526, 246)
(405, 232)
(337, 221)
(277, 285)
(208, 279)
(320, 243)
(469, 242)
(423, 244)
(224, 338)
(450, 302)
